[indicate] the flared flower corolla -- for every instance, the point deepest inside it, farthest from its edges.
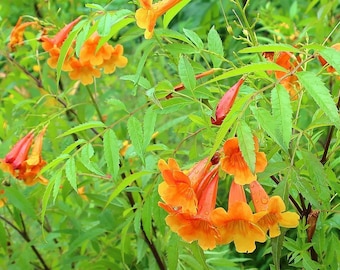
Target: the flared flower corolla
(271, 213)
(116, 60)
(233, 162)
(83, 71)
(147, 15)
(238, 224)
(192, 227)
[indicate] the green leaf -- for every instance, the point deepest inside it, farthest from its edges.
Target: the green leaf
(57, 180)
(46, 197)
(71, 173)
(318, 176)
(194, 38)
(147, 216)
(85, 157)
(84, 126)
(149, 125)
(84, 236)
(123, 184)
(116, 104)
(140, 81)
(228, 122)
(3, 236)
(267, 122)
(171, 13)
(94, 6)
(186, 73)
(111, 152)
(172, 252)
(317, 90)
(54, 162)
(215, 45)
(282, 113)
(136, 135)
(277, 245)
(270, 48)
(72, 146)
(332, 56)
(251, 68)
(20, 201)
(247, 145)
(104, 24)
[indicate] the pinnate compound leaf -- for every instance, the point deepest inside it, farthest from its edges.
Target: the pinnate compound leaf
(71, 172)
(321, 95)
(136, 135)
(111, 152)
(85, 157)
(186, 73)
(247, 145)
(282, 113)
(215, 45)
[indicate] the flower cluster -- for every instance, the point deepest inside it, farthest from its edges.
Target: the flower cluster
(93, 57)
(190, 198)
(23, 165)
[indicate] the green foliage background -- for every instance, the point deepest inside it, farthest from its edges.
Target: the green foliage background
(121, 225)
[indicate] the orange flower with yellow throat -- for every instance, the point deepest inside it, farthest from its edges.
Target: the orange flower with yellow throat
(238, 225)
(270, 211)
(196, 226)
(147, 15)
(233, 162)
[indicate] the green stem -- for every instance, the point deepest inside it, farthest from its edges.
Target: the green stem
(94, 103)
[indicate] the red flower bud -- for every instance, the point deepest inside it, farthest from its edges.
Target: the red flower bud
(226, 102)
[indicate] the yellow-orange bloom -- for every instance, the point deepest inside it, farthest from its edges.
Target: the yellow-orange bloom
(147, 15)
(83, 71)
(238, 224)
(116, 60)
(54, 57)
(23, 166)
(270, 216)
(233, 162)
(89, 51)
(31, 168)
(17, 35)
(81, 192)
(198, 226)
(15, 158)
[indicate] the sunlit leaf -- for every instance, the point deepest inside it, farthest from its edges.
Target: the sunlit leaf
(171, 13)
(111, 152)
(246, 144)
(270, 48)
(282, 113)
(321, 95)
(136, 135)
(215, 45)
(194, 38)
(186, 73)
(71, 172)
(149, 125)
(81, 127)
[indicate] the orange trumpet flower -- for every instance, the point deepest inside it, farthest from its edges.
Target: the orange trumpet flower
(270, 211)
(147, 15)
(17, 35)
(233, 162)
(238, 224)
